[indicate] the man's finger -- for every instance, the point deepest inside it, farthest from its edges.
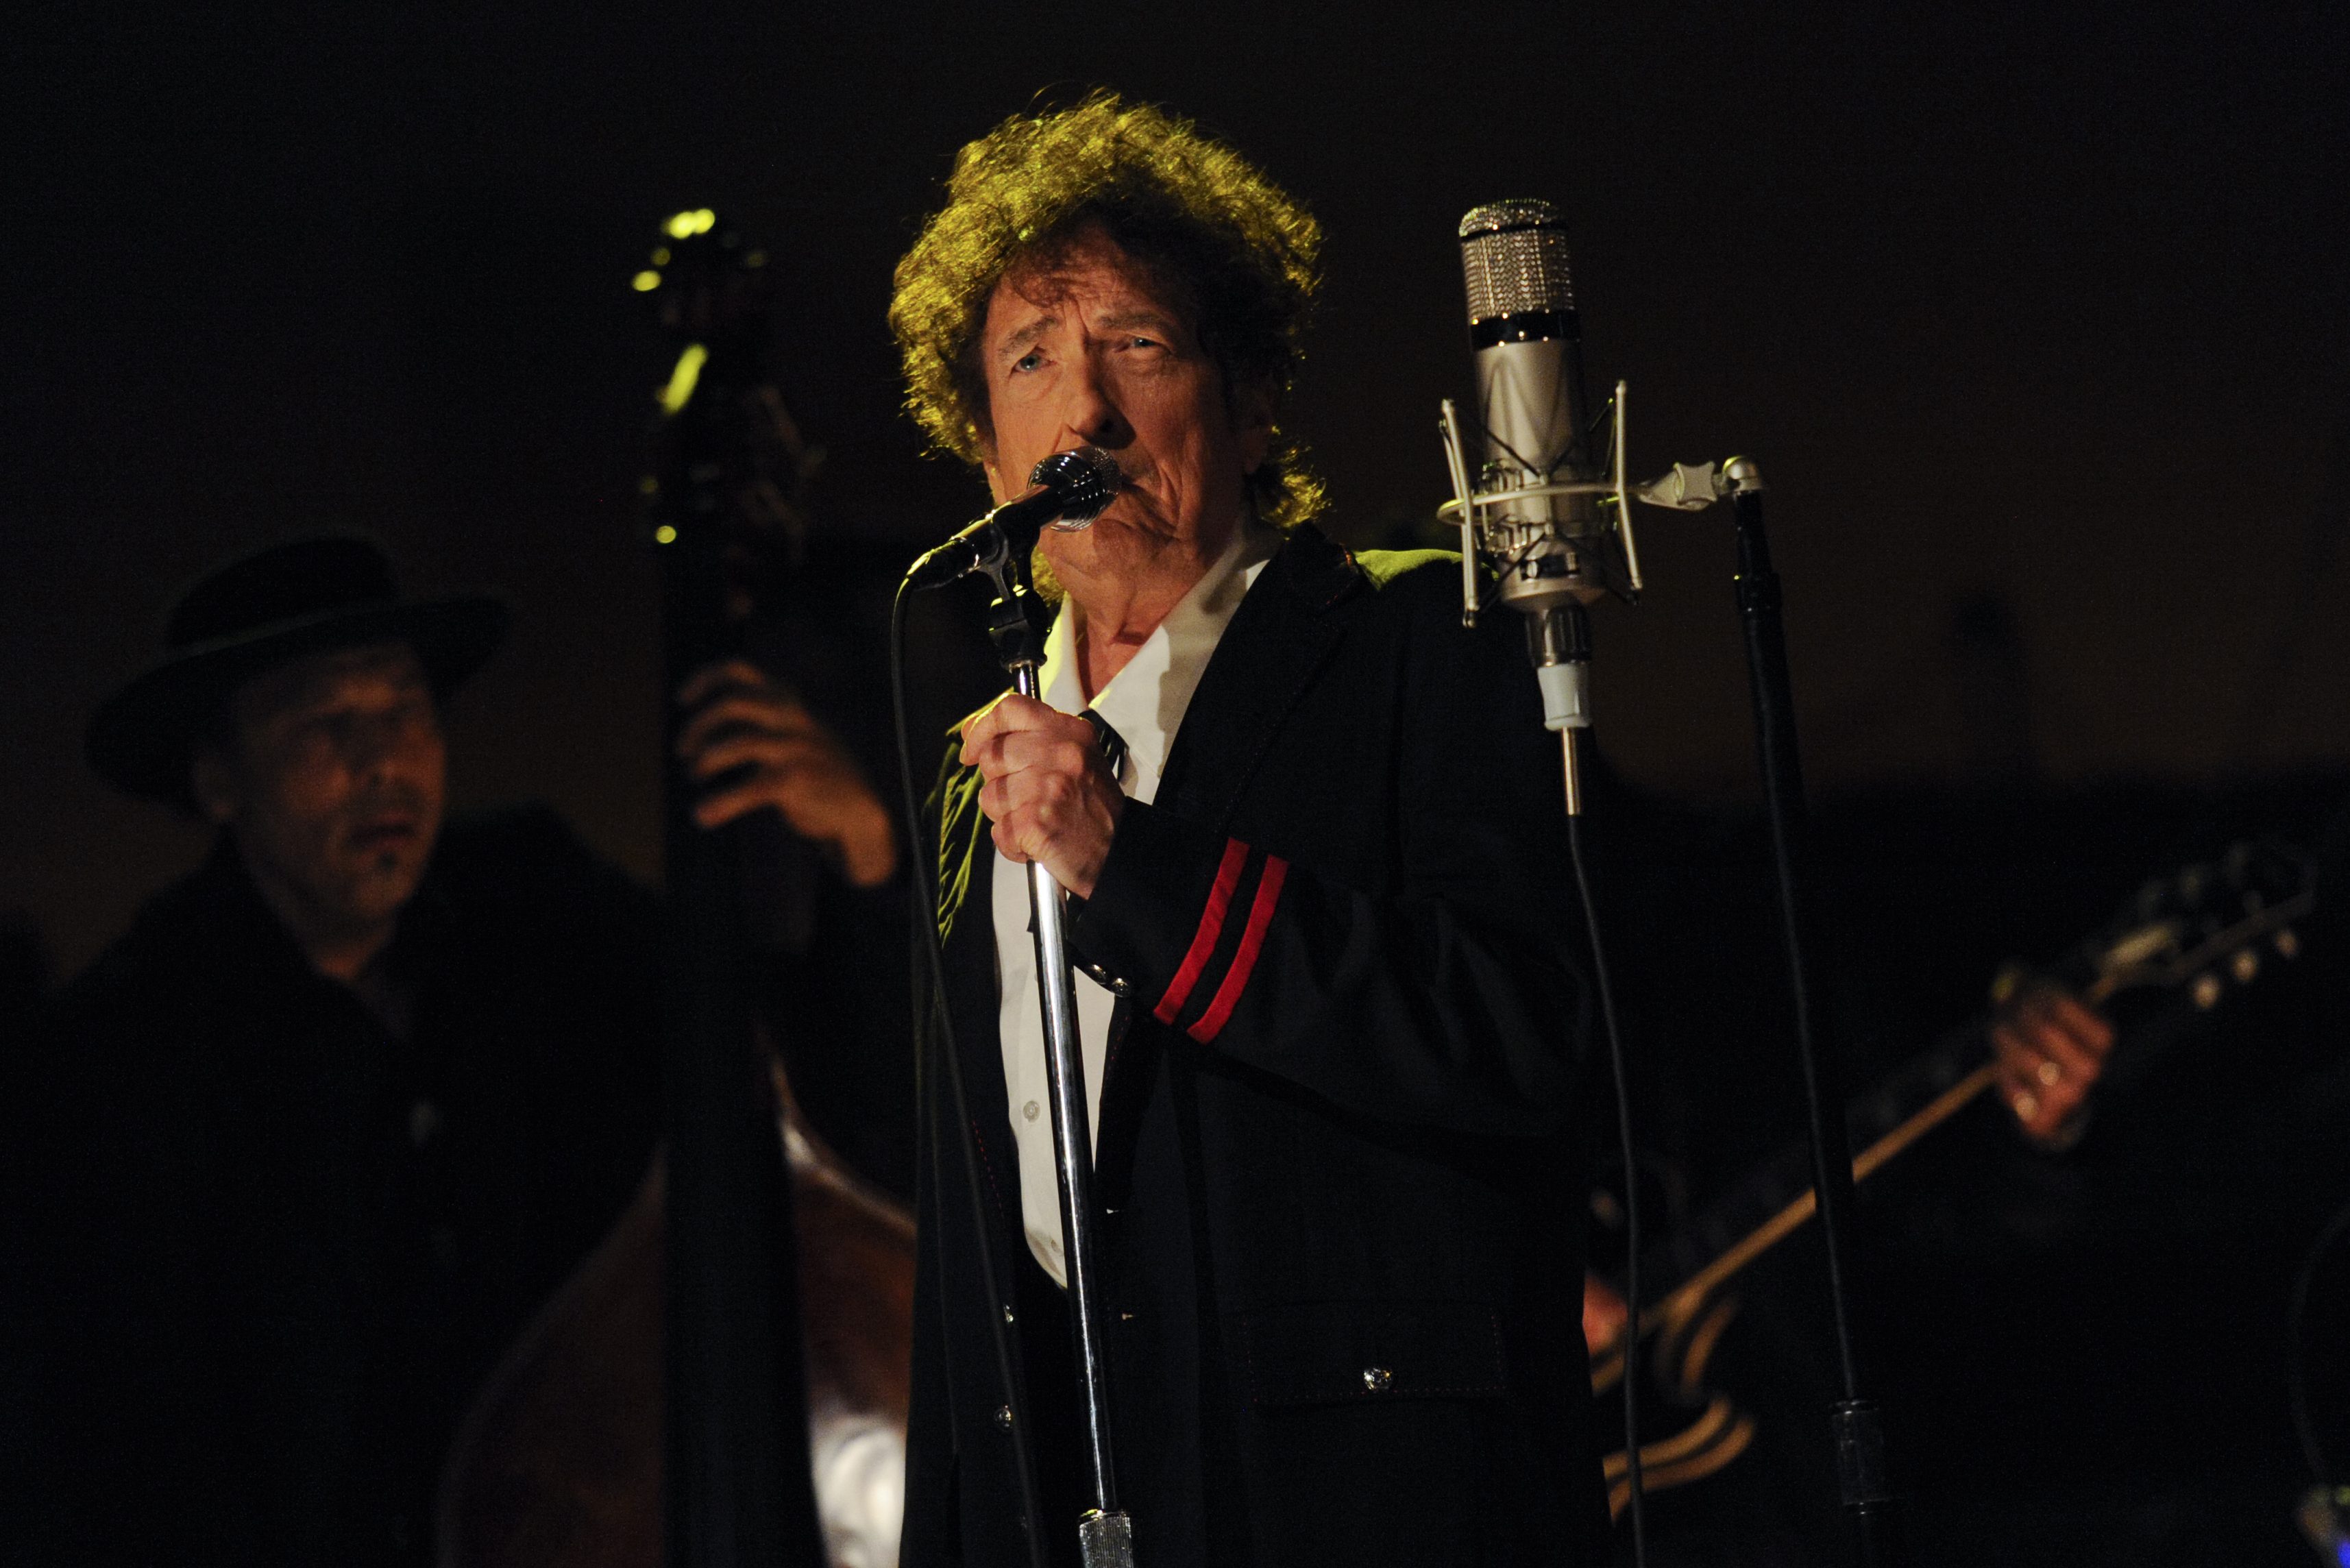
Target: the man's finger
(724, 672)
(1013, 714)
(769, 754)
(743, 712)
(980, 732)
(2090, 1029)
(2073, 1059)
(1018, 796)
(722, 807)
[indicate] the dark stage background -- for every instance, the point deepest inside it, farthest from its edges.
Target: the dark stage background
(2034, 315)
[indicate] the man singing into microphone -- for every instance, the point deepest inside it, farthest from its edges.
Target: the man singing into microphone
(1332, 1027)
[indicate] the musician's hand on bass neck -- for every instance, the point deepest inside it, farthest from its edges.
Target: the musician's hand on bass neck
(2049, 1048)
(778, 754)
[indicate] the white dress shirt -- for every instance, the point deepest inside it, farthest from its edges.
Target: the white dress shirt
(1144, 703)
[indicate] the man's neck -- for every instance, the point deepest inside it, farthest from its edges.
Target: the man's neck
(1114, 618)
(341, 949)
(1107, 644)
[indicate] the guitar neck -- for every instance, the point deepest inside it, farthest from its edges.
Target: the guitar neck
(1775, 1198)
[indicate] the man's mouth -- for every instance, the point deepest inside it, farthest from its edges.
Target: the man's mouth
(383, 833)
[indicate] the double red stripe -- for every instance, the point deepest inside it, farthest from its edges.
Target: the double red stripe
(1228, 995)
(1203, 941)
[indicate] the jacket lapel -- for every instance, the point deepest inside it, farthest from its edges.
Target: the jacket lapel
(1277, 640)
(967, 932)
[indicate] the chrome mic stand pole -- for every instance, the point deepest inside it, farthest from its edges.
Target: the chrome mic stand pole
(1105, 1534)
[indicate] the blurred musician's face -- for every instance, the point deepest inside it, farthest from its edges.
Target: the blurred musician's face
(332, 774)
(1090, 351)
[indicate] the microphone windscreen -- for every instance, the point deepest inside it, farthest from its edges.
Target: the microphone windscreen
(1082, 483)
(1514, 258)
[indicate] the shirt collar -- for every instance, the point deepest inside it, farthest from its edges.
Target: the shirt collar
(1145, 700)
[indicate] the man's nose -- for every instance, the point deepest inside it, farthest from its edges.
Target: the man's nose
(1092, 416)
(374, 742)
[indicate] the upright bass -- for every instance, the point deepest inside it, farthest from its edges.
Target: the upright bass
(736, 1350)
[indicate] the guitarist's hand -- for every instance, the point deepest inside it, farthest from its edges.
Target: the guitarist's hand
(2049, 1047)
(743, 722)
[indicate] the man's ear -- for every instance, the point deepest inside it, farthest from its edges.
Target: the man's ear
(212, 781)
(1252, 410)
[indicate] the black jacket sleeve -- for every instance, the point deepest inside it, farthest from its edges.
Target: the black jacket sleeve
(1445, 998)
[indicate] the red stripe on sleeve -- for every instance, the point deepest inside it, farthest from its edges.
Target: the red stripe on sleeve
(1203, 941)
(1228, 995)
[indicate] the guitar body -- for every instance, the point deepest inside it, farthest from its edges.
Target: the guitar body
(1701, 1428)
(559, 1462)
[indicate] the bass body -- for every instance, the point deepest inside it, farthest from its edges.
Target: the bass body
(559, 1463)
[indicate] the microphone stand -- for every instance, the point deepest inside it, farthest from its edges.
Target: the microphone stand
(1105, 1534)
(1857, 1421)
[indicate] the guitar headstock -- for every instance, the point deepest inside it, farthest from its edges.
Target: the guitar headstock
(2205, 928)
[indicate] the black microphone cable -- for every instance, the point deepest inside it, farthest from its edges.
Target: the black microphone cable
(925, 894)
(1631, 1191)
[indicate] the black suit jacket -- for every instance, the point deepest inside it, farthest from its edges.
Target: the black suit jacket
(1340, 1144)
(286, 1245)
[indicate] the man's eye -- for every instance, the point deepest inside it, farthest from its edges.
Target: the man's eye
(1028, 361)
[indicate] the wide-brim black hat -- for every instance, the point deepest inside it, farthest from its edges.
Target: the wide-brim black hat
(278, 604)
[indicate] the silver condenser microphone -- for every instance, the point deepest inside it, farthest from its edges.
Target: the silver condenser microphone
(1529, 346)
(1541, 511)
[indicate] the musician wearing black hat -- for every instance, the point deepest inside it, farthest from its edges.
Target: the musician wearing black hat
(349, 1102)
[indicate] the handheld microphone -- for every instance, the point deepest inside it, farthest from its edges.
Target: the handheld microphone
(1067, 490)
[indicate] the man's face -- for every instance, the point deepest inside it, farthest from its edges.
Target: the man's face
(1091, 351)
(333, 776)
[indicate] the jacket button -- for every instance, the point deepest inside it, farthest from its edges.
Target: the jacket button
(1004, 1417)
(1377, 1379)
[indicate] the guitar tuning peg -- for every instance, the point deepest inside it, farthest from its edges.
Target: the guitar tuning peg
(2288, 943)
(2244, 965)
(2205, 991)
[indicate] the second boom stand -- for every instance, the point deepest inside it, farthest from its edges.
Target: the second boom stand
(1858, 1423)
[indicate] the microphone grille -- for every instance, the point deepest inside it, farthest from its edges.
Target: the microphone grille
(1084, 481)
(1513, 256)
